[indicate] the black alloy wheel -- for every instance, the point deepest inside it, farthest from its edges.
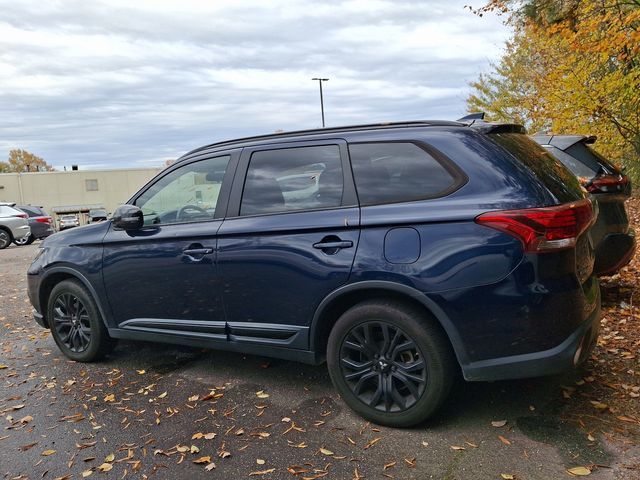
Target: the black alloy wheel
(76, 324)
(383, 366)
(391, 362)
(71, 322)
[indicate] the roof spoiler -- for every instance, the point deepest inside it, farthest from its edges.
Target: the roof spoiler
(476, 120)
(472, 117)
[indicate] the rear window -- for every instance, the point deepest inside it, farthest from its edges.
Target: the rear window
(32, 211)
(551, 172)
(591, 158)
(398, 172)
(577, 167)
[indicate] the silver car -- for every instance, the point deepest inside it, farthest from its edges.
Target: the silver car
(13, 225)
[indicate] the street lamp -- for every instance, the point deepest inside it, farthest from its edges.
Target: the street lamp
(320, 80)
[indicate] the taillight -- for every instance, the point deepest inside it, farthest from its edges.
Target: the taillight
(543, 229)
(21, 215)
(607, 184)
(43, 219)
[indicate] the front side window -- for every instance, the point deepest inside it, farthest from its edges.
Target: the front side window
(187, 194)
(397, 172)
(291, 179)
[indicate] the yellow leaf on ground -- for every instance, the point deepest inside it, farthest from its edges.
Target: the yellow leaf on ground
(105, 467)
(206, 459)
(507, 476)
(110, 458)
(579, 471)
(259, 461)
(262, 472)
(46, 453)
(324, 451)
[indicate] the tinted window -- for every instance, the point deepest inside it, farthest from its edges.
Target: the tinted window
(187, 194)
(397, 172)
(32, 211)
(577, 168)
(292, 179)
(554, 175)
(590, 157)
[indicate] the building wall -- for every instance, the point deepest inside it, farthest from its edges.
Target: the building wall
(60, 189)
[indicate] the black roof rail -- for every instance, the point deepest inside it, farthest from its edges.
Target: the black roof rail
(319, 131)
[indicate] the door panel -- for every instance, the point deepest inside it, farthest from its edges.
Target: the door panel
(162, 278)
(271, 271)
(289, 239)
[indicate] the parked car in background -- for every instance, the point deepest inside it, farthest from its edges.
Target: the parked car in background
(68, 221)
(401, 253)
(97, 215)
(40, 222)
(13, 225)
(614, 240)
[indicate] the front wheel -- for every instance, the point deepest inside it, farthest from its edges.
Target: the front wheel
(391, 363)
(28, 240)
(76, 323)
(5, 238)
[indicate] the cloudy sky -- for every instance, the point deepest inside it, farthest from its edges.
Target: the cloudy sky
(122, 83)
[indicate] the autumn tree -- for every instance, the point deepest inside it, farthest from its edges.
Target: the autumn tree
(23, 161)
(573, 66)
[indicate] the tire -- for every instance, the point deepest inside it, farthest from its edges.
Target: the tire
(76, 324)
(28, 240)
(379, 388)
(5, 238)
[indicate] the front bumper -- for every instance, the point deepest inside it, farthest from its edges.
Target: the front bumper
(614, 252)
(574, 350)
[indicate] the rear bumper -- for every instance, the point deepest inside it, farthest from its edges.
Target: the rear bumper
(21, 232)
(614, 252)
(574, 350)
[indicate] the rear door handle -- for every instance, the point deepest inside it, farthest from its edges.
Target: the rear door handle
(198, 252)
(332, 245)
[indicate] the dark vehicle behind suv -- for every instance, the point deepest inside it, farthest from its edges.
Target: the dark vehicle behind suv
(614, 240)
(40, 222)
(400, 253)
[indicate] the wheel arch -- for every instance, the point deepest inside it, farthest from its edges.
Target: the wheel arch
(58, 274)
(8, 230)
(340, 300)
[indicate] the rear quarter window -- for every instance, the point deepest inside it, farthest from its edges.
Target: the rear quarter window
(557, 178)
(392, 172)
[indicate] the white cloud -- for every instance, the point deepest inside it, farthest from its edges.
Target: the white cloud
(116, 82)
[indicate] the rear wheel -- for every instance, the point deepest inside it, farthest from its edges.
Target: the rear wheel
(76, 323)
(5, 238)
(28, 240)
(391, 363)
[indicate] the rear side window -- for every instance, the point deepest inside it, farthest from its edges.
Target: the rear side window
(290, 179)
(397, 172)
(554, 175)
(31, 211)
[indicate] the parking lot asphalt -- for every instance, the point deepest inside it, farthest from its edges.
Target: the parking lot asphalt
(167, 412)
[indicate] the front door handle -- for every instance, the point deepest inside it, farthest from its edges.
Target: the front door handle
(197, 253)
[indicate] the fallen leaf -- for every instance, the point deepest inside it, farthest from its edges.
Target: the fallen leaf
(372, 443)
(194, 398)
(26, 419)
(262, 472)
(110, 398)
(507, 476)
(105, 467)
(206, 459)
(46, 453)
(141, 372)
(579, 471)
(261, 394)
(504, 440)
(110, 458)
(87, 473)
(499, 423)
(162, 395)
(259, 461)
(194, 449)
(389, 465)
(3, 366)
(456, 447)
(599, 405)
(210, 467)
(324, 451)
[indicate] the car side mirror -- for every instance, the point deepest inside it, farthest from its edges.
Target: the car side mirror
(128, 217)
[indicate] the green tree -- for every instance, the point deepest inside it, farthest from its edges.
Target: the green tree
(23, 161)
(572, 67)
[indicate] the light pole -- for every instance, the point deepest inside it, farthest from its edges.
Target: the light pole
(320, 80)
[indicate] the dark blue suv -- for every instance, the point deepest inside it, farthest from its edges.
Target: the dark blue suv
(399, 253)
